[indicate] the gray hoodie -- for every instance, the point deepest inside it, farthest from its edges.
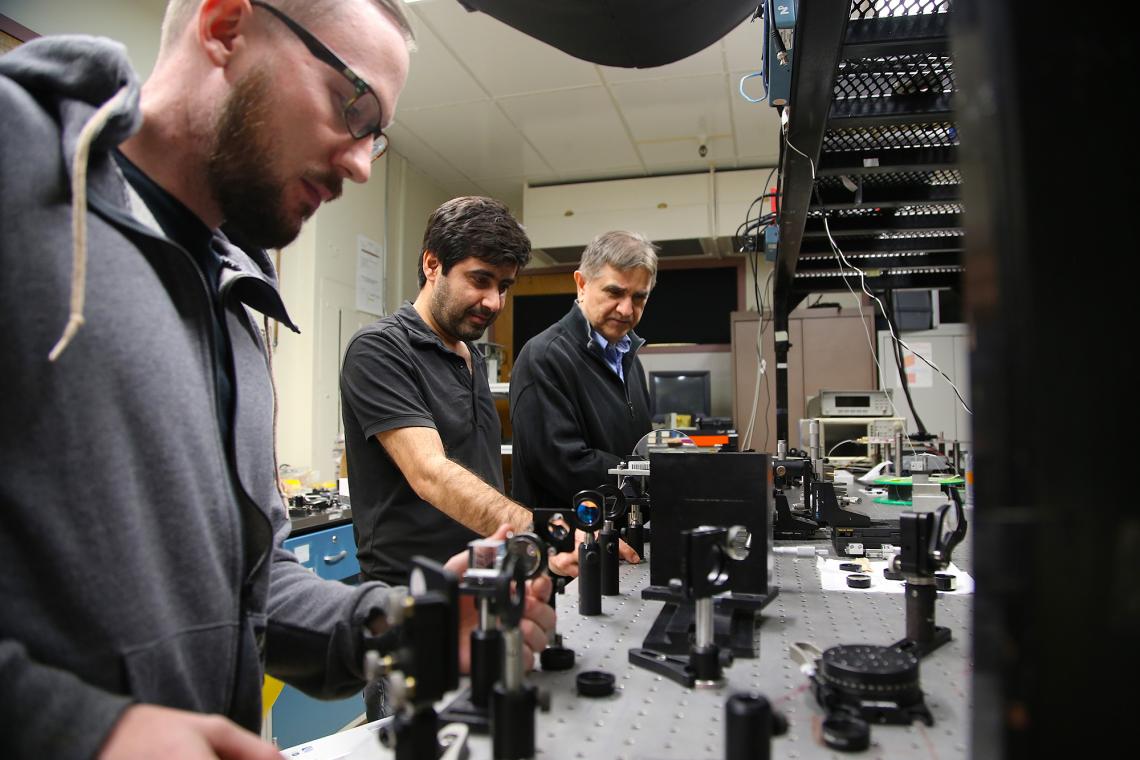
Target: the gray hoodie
(140, 556)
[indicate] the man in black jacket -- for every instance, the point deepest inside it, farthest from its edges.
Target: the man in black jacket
(579, 401)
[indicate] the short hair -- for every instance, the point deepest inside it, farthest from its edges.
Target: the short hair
(179, 12)
(474, 226)
(623, 251)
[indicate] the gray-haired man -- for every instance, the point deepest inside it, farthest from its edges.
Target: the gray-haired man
(579, 401)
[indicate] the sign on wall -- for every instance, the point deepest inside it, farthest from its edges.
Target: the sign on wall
(370, 284)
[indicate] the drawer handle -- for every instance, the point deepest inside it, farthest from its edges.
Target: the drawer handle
(332, 559)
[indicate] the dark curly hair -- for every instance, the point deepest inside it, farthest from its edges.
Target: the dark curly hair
(474, 226)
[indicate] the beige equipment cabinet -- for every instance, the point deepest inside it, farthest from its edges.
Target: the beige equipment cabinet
(829, 350)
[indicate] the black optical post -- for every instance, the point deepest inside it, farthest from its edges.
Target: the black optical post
(587, 511)
(925, 549)
(707, 556)
(513, 701)
(552, 528)
(425, 663)
(608, 539)
(489, 580)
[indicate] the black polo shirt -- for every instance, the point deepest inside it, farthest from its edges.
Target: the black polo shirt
(397, 373)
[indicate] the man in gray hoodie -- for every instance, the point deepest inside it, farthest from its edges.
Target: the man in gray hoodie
(143, 579)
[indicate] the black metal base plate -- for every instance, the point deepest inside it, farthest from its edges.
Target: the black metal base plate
(462, 711)
(675, 668)
(872, 710)
(920, 650)
(734, 629)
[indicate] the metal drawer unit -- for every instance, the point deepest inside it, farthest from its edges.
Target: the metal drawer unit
(330, 553)
(296, 717)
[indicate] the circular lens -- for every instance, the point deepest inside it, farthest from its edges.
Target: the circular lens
(529, 553)
(589, 513)
(557, 527)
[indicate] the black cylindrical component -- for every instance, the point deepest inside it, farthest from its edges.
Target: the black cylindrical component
(635, 536)
(486, 664)
(920, 612)
(608, 546)
(556, 657)
(416, 735)
(748, 727)
(512, 722)
(705, 662)
(589, 579)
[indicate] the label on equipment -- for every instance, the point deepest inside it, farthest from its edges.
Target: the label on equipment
(302, 553)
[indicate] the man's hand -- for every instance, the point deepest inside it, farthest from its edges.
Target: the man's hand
(626, 552)
(538, 616)
(566, 563)
(145, 731)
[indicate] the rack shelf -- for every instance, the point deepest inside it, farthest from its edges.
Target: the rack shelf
(870, 159)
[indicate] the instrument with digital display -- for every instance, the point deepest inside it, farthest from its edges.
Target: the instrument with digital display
(875, 403)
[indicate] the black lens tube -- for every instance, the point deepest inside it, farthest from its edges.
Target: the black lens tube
(920, 611)
(608, 546)
(748, 723)
(486, 664)
(589, 578)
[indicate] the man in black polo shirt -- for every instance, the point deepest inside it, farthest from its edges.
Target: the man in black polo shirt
(422, 435)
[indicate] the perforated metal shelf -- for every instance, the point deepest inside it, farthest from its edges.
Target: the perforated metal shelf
(872, 9)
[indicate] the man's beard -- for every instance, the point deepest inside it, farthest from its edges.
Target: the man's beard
(450, 315)
(240, 167)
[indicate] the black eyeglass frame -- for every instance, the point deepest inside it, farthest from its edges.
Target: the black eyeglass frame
(361, 88)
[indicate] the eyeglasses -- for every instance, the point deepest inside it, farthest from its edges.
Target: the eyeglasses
(362, 113)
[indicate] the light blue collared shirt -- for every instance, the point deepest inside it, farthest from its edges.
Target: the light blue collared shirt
(613, 352)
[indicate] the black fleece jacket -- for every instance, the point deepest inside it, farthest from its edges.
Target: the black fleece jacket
(573, 417)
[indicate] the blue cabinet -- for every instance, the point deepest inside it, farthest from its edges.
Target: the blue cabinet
(330, 553)
(296, 717)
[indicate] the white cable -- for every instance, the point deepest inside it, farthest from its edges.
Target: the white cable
(863, 284)
(833, 448)
(745, 95)
(858, 301)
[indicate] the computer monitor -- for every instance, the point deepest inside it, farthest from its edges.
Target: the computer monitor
(681, 391)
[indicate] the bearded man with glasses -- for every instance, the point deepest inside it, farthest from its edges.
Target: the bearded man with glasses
(146, 592)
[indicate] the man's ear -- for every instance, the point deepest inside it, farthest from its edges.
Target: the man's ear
(580, 281)
(431, 265)
(220, 26)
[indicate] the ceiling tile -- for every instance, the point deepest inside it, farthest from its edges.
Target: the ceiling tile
(682, 155)
(509, 191)
(435, 76)
(707, 61)
(463, 187)
(504, 60)
(757, 128)
(674, 108)
(575, 130)
(477, 139)
(423, 157)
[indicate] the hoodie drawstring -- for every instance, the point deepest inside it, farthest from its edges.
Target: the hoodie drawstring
(87, 135)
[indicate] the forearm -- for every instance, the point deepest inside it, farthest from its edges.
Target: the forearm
(467, 499)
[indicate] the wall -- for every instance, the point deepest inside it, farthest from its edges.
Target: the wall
(412, 198)
(319, 284)
(135, 23)
(934, 399)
